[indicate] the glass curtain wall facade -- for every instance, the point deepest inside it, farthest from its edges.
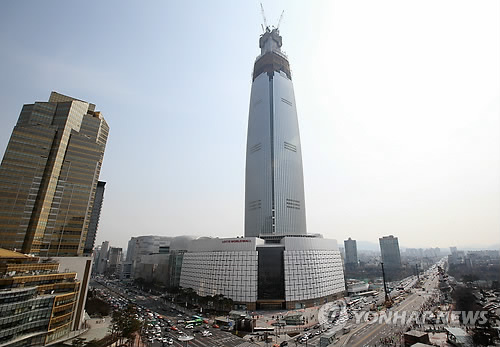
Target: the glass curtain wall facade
(49, 175)
(274, 186)
(94, 218)
(37, 303)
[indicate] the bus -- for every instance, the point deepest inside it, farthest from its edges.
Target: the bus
(195, 321)
(370, 293)
(353, 302)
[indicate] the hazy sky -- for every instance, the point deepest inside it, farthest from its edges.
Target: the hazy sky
(398, 106)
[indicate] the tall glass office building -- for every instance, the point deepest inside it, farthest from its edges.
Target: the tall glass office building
(274, 190)
(49, 176)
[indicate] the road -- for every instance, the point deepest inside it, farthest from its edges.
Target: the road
(218, 339)
(370, 334)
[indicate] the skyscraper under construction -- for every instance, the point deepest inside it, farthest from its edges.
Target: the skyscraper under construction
(274, 187)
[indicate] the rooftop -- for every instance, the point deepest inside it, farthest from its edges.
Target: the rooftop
(5, 253)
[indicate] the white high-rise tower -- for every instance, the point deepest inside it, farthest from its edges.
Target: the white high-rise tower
(274, 187)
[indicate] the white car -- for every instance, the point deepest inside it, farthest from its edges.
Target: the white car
(206, 333)
(189, 326)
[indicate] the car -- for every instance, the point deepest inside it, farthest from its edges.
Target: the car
(215, 326)
(189, 326)
(174, 328)
(307, 329)
(206, 333)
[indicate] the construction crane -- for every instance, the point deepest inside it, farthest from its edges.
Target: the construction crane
(263, 16)
(388, 301)
(279, 21)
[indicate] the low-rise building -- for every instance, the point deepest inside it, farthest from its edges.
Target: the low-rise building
(38, 304)
(295, 272)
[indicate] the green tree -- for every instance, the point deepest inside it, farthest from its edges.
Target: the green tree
(124, 324)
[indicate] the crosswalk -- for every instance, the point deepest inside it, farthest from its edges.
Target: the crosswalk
(213, 341)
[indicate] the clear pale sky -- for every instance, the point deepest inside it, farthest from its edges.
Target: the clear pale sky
(398, 106)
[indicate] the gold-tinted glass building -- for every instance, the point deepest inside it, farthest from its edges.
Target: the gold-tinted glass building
(49, 175)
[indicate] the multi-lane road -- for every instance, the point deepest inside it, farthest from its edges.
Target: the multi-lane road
(361, 333)
(367, 334)
(218, 338)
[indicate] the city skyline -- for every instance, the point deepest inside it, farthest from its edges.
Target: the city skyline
(398, 109)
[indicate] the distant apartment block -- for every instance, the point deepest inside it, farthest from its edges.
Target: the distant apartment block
(389, 249)
(351, 253)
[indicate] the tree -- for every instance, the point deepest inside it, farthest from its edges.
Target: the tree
(124, 324)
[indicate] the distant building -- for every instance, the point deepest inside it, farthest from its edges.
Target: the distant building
(351, 253)
(102, 258)
(144, 245)
(114, 261)
(94, 217)
(38, 303)
(389, 249)
(423, 253)
(49, 175)
(126, 270)
(156, 259)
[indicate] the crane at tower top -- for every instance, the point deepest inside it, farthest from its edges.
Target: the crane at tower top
(265, 26)
(263, 17)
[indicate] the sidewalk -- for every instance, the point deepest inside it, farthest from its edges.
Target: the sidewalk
(97, 329)
(265, 318)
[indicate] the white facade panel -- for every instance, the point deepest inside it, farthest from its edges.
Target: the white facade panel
(311, 274)
(231, 273)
